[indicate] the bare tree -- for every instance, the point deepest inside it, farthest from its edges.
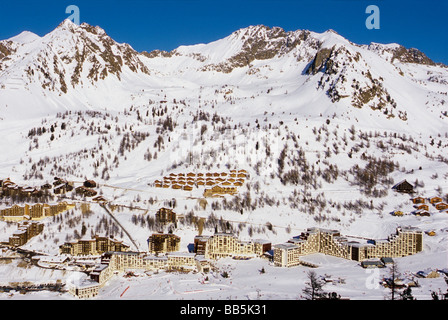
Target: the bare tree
(394, 276)
(313, 289)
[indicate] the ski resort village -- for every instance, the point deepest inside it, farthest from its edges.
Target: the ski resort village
(257, 166)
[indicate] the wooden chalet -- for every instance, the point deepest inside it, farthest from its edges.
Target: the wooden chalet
(423, 207)
(404, 187)
(441, 206)
(418, 200)
(434, 200)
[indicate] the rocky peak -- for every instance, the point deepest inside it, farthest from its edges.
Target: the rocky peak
(72, 54)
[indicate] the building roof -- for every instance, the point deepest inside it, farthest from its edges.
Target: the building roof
(181, 254)
(285, 246)
(262, 241)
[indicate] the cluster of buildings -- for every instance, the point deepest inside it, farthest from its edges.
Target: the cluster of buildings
(9, 188)
(221, 182)
(163, 253)
(406, 241)
(34, 212)
(116, 262)
(422, 205)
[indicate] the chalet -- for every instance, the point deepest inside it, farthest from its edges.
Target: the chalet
(90, 184)
(86, 191)
(187, 188)
(46, 186)
(428, 273)
(434, 200)
(398, 213)
(422, 213)
(423, 207)
(441, 206)
(418, 200)
(403, 187)
(99, 199)
(60, 189)
(218, 190)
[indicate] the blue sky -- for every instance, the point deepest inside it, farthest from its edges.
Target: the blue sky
(167, 24)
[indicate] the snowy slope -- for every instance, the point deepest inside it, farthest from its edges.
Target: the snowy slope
(308, 115)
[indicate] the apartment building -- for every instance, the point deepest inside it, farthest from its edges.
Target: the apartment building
(406, 241)
(96, 246)
(86, 289)
(165, 215)
(153, 262)
(286, 255)
(160, 243)
(25, 231)
(34, 212)
(228, 245)
(181, 261)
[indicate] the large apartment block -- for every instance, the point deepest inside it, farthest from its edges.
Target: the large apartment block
(406, 241)
(96, 246)
(34, 212)
(163, 242)
(228, 245)
(25, 231)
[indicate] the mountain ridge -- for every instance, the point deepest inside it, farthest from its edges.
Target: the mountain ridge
(81, 67)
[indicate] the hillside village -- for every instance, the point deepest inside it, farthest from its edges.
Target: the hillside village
(103, 257)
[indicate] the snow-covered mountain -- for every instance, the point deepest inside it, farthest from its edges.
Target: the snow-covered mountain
(302, 72)
(324, 128)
